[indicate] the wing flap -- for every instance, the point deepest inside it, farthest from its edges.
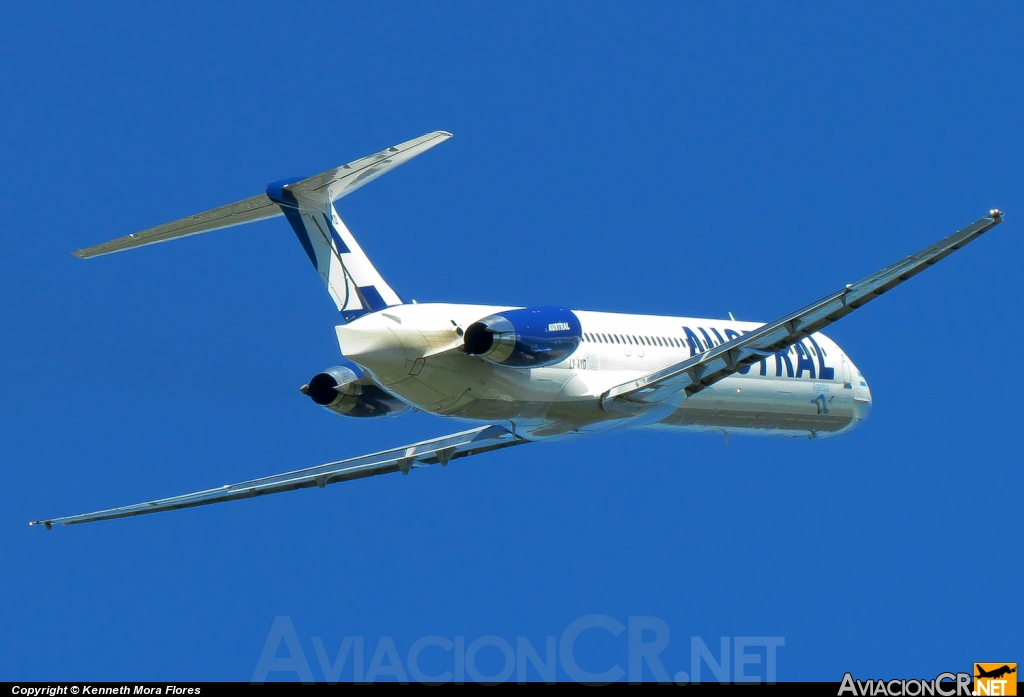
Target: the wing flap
(424, 453)
(710, 366)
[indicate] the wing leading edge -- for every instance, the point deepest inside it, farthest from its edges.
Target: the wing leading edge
(429, 452)
(710, 366)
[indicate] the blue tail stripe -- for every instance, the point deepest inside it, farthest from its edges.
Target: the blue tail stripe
(373, 298)
(294, 218)
(341, 246)
(289, 205)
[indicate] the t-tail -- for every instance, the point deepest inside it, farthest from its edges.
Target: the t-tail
(308, 204)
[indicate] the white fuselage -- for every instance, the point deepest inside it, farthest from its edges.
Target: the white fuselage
(413, 352)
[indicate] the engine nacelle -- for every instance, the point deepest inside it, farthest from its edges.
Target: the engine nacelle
(528, 338)
(345, 390)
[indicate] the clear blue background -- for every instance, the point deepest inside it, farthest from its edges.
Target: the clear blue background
(667, 158)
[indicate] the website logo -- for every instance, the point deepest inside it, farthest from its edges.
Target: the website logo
(995, 678)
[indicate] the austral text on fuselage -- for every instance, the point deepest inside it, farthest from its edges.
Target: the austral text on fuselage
(804, 360)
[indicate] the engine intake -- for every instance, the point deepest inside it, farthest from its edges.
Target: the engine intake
(527, 338)
(346, 391)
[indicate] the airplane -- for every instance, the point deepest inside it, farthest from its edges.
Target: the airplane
(996, 672)
(528, 374)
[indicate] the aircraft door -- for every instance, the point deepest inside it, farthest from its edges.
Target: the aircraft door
(847, 376)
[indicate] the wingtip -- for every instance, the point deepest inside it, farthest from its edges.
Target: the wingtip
(80, 254)
(45, 523)
(995, 214)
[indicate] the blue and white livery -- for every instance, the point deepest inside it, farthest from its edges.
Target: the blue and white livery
(520, 375)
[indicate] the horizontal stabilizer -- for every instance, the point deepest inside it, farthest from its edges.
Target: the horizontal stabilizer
(315, 192)
(342, 181)
(247, 211)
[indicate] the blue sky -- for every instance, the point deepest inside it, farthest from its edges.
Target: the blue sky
(665, 158)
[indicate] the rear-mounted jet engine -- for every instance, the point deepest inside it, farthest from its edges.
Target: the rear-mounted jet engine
(346, 391)
(529, 338)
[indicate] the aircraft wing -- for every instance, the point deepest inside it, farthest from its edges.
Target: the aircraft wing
(707, 368)
(429, 452)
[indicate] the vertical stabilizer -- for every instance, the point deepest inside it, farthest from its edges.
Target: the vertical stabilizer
(353, 282)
